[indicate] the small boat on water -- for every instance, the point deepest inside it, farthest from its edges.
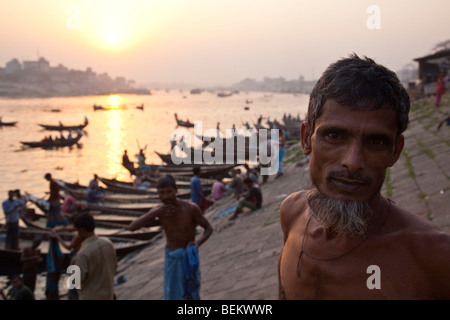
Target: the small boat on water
(79, 192)
(127, 187)
(98, 107)
(7, 124)
(104, 229)
(211, 171)
(181, 184)
(94, 209)
(224, 94)
(181, 123)
(51, 144)
(140, 107)
(61, 127)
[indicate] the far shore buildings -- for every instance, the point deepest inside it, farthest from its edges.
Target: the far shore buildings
(430, 67)
(39, 78)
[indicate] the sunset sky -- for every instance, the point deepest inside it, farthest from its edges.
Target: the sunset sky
(218, 42)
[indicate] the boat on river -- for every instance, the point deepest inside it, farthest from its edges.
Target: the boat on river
(79, 192)
(181, 123)
(94, 209)
(61, 127)
(7, 124)
(52, 144)
(10, 259)
(103, 229)
(211, 171)
(127, 187)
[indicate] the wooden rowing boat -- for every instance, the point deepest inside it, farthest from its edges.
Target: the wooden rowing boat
(52, 144)
(182, 123)
(94, 209)
(211, 171)
(184, 192)
(181, 183)
(124, 187)
(79, 192)
(105, 229)
(61, 127)
(7, 124)
(10, 259)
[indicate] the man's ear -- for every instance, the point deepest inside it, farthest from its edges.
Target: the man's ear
(399, 144)
(305, 137)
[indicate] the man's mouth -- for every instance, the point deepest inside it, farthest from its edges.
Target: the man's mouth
(348, 185)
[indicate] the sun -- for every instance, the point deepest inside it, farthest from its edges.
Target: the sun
(113, 39)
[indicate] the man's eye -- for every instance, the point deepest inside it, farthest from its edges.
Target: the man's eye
(334, 135)
(377, 141)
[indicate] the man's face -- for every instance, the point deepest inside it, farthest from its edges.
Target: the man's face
(351, 150)
(16, 283)
(167, 195)
(82, 233)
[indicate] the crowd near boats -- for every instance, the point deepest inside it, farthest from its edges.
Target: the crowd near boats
(118, 202)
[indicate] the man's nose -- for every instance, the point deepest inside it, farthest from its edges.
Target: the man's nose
(353, 158)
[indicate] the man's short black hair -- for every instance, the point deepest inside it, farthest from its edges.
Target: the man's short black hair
(15, 276)
(167, 181)
(85, 221)
(196, 170)
(361, 84)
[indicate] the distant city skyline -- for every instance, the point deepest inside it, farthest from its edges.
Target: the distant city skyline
(38, 78)
(210, 43)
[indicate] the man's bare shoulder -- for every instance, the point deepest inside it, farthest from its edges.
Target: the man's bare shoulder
(189, 206)
(291, 209)
(295, 201)
(423, 235)
(429, 246)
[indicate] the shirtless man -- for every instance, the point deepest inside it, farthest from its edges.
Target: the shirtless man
(180, 220)
(342, 238)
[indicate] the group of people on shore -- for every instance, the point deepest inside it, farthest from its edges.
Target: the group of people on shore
(23, 285)
(244, 187)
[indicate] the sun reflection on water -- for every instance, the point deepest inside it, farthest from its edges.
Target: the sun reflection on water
(114, 136)
(114, 101)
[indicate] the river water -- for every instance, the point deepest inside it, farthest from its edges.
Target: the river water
(123, 127)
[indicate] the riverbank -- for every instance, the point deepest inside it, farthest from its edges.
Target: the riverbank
(239, 261)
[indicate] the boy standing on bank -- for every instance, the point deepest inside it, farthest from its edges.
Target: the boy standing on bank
(180, 220)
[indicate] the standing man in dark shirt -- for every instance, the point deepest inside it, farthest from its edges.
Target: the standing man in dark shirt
(252, 200)
(54, 213)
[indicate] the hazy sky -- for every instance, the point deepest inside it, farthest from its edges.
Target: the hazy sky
(218, 42)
